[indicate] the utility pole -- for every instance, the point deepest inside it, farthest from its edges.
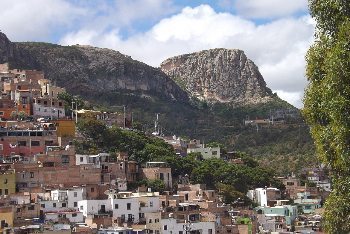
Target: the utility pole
(124, 116)
(76, 112)
(72, 109)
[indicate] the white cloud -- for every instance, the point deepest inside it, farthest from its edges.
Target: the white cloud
(267, 8)
(294, 98)
(33, 19)
(277, 47)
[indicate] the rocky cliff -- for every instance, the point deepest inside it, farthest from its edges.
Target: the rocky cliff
(87, 70)
(219, 75)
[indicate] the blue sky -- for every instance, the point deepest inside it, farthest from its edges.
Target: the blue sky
(275, 34)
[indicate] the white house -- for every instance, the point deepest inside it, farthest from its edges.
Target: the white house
(73, 216)
(171, 226)
(258, 195)
(206, 152)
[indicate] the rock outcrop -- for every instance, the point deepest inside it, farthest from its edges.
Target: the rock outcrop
(219, 75)
(87, 70)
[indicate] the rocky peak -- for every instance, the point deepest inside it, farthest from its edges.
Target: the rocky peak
(218, 75)
(6, 48)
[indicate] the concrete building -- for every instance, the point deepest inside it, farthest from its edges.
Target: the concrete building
(258, 195)
(26, 141)
(7, 181)
(278, 218)
(48, 107)
(307, 203)
(158, 171)
(206, 152)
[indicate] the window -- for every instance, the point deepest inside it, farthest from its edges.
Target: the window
(81, 208)
(54, 204)
(165, 227)
(31, 174)
(60, 103)
(151, 204)
(35, 143)
(42, 205)
(48, 143)
(75, 194)
(128, 206)
(1, 147)
(0, 191)
(81, 159)
(31, 207)
(5, 181)
(74, 215)
(64, 205)
(1, 113)
(116, 206)
(181, 232)
(92, 190)
(130, 218)
(65, 158)
(290, 183)
(214, 153)
(6, 191)
(45, 103)
(150, 221)
(210, 231)
(75, 204)
(22, 143)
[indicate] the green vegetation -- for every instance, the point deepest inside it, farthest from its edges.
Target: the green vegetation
(327, 103)
(232, 180)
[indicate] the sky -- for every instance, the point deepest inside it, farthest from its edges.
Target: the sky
(275, 34)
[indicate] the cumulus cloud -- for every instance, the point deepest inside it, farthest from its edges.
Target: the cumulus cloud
(258, 9)
(33, 19)
(277, 47)
(28, 20)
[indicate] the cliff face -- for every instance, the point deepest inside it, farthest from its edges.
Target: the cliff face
(219, 75)
(6, 48)
(87, 70)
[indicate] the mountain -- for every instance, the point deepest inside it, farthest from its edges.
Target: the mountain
(90, 71)
(204, 95)
(219, 75)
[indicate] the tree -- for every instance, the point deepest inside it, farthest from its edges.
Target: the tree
(327, 103)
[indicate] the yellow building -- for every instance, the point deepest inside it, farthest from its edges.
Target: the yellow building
(6, 218)
(7, 182)
(65, 128)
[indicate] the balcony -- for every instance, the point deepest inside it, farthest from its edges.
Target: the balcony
(105, 213)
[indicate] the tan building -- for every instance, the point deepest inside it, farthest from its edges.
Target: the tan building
(158, 171)
(6, 218)
(7, 181)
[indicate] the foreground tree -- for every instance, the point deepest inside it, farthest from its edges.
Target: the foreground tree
(327, 103)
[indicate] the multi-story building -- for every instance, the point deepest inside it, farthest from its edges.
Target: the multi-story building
(7, 181)
(48, 107)
(158, 171)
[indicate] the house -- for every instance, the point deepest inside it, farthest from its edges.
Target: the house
(6, 218)
(278, 218)
(306, 203)
(48, 107)
(7, 181)
(158, 171)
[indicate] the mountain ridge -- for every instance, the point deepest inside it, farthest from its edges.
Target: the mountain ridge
(84, 69)
(219, 75)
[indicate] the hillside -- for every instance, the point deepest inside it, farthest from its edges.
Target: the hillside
(205, 95)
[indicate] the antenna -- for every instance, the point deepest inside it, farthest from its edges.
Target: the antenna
(156, 125)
